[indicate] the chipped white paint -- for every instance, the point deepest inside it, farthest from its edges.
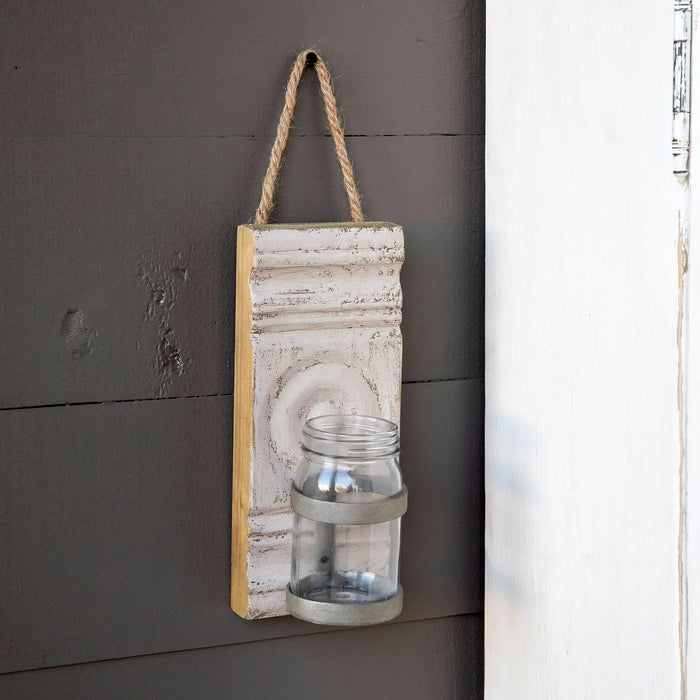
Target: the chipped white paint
(681, 86)
(583, 432)
(326, 310)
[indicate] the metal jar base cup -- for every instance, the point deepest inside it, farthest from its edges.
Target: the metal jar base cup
(345, 614)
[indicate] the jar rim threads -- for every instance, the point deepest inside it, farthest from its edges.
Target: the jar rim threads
(345, 435)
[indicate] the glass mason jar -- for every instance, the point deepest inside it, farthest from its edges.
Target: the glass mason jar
(348, 497)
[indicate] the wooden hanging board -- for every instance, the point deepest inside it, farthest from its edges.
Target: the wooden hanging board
(318, 310)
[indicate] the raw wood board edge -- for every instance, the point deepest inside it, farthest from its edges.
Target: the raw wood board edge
(242, 424)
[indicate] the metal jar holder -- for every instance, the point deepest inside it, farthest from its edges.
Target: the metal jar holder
(335, 513)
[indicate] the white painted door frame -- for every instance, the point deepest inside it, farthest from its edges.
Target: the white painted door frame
(689, 382)
(592, 356)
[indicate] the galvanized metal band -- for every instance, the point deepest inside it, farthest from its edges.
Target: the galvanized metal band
(336, 513)
(345, 614)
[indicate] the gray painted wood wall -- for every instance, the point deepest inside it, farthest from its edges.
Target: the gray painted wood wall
(133, 139)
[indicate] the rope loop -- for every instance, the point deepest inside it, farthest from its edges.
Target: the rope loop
(314, 61)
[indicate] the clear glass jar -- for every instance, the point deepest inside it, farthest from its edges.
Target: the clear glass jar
(348, 496)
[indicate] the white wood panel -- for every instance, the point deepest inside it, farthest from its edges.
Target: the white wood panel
(582, 302)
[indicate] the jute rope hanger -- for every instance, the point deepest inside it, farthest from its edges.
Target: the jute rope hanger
(312, 59)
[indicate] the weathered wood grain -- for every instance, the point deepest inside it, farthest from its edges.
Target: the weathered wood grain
(116, 524)
(412, 661)
(219, 68)
(243, 427)
(318, 309)
(119, 254)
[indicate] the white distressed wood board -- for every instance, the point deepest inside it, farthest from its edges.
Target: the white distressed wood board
(318, 313)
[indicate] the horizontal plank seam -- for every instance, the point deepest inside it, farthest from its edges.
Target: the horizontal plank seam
(476, 613)
(231, 136)
(480, 378)
(65, 404)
